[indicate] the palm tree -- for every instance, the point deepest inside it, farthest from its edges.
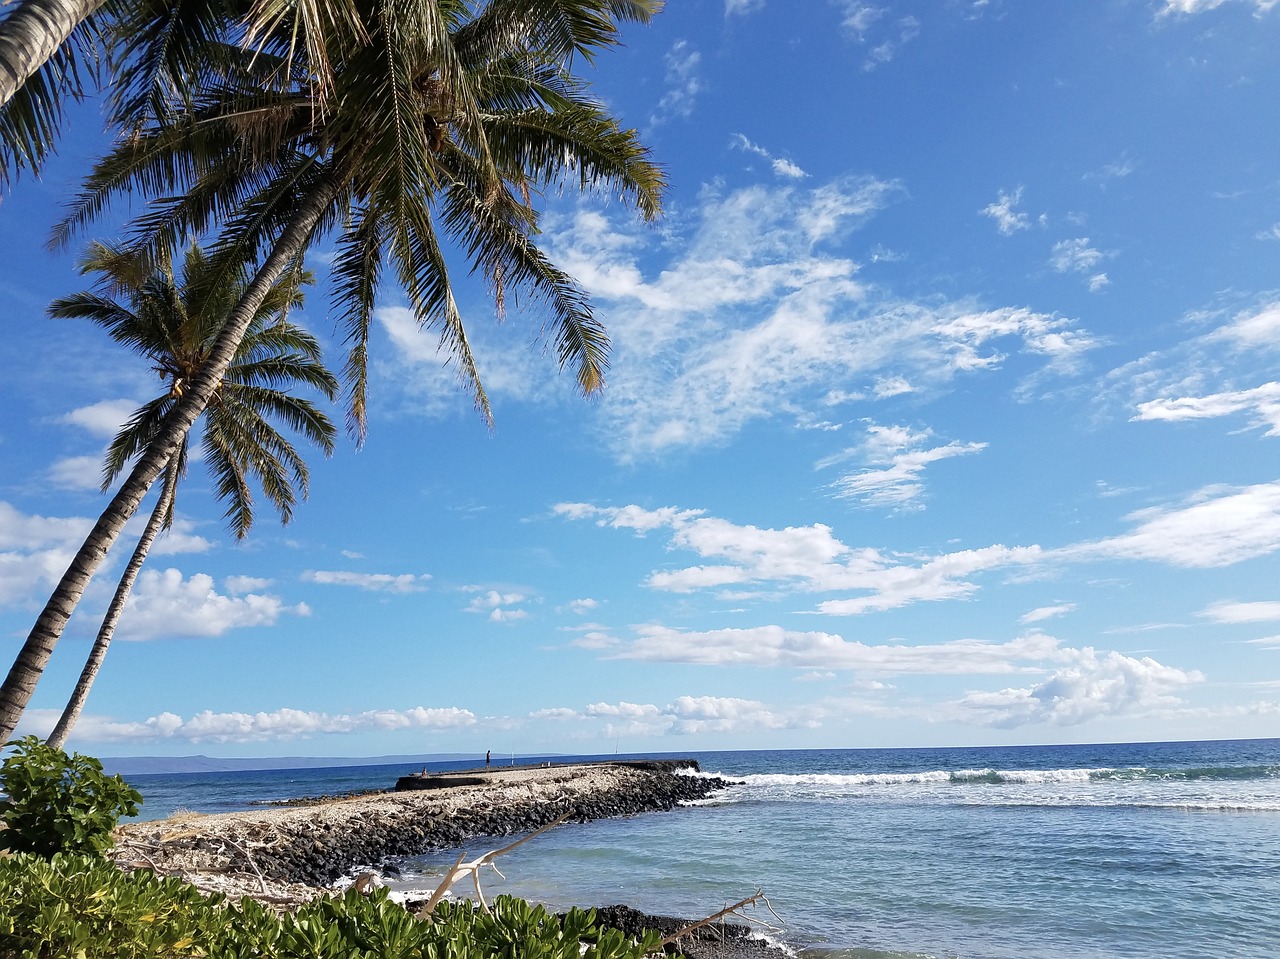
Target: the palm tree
(445, 118)
(171, 322)
(46, 44)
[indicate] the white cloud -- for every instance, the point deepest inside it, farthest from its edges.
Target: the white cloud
(732, 7)
(1091, 686)
(275, 726)
(1262, 401)
(500, 607)
(808, 558)
(776, 647)
(683, 83)
(1257, 328)
(1230, 612)
(34, 553)
(1075, 256)
(1227, 370)
(1046, 612)
(77, 473)
(689, 715)
(239, 585)
(858, 17)
(164, 604)
(751, 319)
(373, 582)
(1200, 6)
(1219, 526)
(897, 457)
(1004, 211)
(102, 419)
(780, 166)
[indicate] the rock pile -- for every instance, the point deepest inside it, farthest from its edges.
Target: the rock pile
(274, 854)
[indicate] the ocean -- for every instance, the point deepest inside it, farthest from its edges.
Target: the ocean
(1167, 850)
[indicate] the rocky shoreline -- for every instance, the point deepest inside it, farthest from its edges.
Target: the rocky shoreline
(288, 855)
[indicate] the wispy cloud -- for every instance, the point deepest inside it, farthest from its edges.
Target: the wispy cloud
(1232, 612)
(751, 319)
(1201, 6)
(684, 81)
(372, 582)
(1004, 210)
(781, 166)
(897, 457)
(1042, 613)
(774, 646)
(1077, 256)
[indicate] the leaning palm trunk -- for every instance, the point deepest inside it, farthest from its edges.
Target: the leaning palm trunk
(105, 633)
(30, 35)
(34, 656)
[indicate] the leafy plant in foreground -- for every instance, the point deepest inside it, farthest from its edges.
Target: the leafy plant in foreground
(85, 907)
(59, 803)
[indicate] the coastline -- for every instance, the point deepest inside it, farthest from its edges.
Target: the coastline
(289, 854)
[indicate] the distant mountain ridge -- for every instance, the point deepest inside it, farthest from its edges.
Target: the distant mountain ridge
(136, 765)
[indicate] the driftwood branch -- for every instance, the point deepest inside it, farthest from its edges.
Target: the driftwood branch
(262, 880)
(460, 868)
(734, 910)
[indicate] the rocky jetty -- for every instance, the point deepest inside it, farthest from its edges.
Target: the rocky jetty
(290, 854)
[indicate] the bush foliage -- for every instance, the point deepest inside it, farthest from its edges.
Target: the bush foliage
(83, 906)
(59, 803)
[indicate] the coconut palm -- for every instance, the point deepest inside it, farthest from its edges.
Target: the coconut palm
(444, 120)
(46, 45)
(171, 322)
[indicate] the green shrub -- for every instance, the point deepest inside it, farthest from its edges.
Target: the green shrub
(59, 803)
(84, 907)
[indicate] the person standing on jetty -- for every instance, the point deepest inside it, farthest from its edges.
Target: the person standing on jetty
(488, 754)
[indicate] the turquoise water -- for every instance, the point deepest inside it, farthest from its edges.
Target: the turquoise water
(1159, 850)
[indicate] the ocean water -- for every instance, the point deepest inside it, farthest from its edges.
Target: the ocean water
(1167, 850)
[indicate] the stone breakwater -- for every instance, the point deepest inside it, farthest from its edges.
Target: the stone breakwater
(290, 854)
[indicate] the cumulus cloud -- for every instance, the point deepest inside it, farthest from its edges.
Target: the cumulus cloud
(1090, 686)
(896, 456)
(102, 419)
(808, 558)
(1004, 210)
(77, 473)
(275, 726)
(372, 582)
(499, 607)
(165, 604)
(690, 715)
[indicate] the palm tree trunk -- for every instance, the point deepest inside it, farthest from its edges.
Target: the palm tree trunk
(27, 668)
(30, 35)
(99, 652)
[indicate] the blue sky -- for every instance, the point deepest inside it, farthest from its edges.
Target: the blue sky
(943, 409)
